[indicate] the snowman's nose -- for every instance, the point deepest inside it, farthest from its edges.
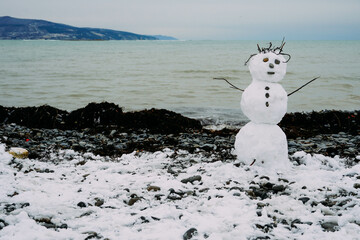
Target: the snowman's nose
(271, 65)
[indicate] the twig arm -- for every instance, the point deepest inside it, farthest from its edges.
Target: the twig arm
(303, 86)
(231, 85)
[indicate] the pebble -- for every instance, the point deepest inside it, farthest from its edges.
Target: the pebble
(3, 224)
(99, 202)
(19, 152)
(191, 179)
(329, 226)
(278, 188)
(304, 199)
(81, 204)
(109, 143)
(133, 200)
(153, 188)
(189, 234)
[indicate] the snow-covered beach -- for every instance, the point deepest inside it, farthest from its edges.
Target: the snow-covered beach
(173, 185)
(162, 195)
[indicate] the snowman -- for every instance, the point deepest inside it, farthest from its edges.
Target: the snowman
(261, 142)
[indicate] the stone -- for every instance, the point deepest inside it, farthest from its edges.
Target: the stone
(191, 179)
(133, 200)
(19, 152)
(99, 202)
(81, 204)
(189, 234)
(153, 188)
(330, 226)
(304, 199)
(3, 224)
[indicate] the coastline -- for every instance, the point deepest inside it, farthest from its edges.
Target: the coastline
(105, 130)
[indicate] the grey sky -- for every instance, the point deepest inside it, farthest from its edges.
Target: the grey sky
(202, 19)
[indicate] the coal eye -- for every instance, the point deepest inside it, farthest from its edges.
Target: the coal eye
(265, 59)
(277, 61)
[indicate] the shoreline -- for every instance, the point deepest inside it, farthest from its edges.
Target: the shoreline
(104, 129)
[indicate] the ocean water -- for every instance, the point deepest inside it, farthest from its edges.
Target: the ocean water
(176, 75)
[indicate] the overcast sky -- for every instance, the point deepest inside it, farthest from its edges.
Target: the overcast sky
(202, 19)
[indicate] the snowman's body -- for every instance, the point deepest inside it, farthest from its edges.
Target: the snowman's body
(264, 102)
(261, 141)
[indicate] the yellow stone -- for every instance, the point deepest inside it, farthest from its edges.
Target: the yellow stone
(19, 152)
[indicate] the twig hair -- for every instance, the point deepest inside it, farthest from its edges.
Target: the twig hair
(276, 50)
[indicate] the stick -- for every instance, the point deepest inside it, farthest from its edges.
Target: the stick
(231, 85)
(253, 162)
(303, 86)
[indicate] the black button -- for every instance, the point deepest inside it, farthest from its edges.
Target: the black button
(267, 88)
(267, 104)
(267, 95)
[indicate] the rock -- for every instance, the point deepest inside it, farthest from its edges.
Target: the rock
(19, 152)
(258, 193)
(92, 235)
(3, 224)
(295, 221)
(133, 200)
(159, 196)
(153, 188)
(99, 202)
(304, 199)
(189, 234)
(265, 177)
(191, 179)
(63, 226)
(328, 203)
(356, 185)
(81, 204)
(278, 188)
(330, 226)
(46, 222)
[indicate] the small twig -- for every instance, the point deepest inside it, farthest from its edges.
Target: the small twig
(253, 162)
(303, 86)
(231, 85)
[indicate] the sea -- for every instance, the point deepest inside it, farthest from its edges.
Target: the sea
(175, 75)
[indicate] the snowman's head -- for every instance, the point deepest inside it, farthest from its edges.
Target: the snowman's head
(269, 64)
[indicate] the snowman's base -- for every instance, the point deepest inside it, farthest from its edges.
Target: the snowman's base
(262, 145)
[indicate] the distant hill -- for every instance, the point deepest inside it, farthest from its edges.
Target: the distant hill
(31, 29)
(161, 37)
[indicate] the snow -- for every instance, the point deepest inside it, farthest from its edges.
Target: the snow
(264, 142)
(259, 67)
(218, 206)
(262, 109)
